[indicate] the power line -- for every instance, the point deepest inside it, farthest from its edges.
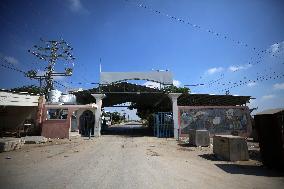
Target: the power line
(258, 79)
(82, 83)
(199, 27)
(25, 73)
(259, 52)
(10, 66)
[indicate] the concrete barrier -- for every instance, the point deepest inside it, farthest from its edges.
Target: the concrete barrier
(9, 144)
(199, 137)
(230, 148)
(34, 139)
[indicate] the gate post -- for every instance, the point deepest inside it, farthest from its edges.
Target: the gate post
(98, 113)
(174, 97)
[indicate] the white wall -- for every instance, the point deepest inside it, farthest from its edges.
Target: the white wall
(18, 99)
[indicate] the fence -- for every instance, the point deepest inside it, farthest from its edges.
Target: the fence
(163, 125)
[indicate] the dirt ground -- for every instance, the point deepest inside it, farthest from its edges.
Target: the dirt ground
(118, 161)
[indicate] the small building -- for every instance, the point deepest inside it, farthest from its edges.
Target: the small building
(61, 121)
(18, 111)
(22, 113)
(62, 118)
(269, 125)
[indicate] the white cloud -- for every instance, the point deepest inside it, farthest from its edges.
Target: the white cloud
(276, 48)
(279, 86)
(152, 84)
(241, 67)
(11, 60)
(212, 71)
(252, 103)
(176, 83)
(267, 97)
(77, 6)
(251, 84)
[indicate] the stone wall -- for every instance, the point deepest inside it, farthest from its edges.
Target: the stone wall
(215, 119)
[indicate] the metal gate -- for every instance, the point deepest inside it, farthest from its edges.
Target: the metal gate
(163, 125)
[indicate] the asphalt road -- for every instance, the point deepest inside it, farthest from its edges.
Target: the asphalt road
(126, 162)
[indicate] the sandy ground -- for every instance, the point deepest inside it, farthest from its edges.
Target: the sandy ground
(128, 162)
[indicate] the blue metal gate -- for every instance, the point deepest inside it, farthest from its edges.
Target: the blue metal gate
(163, 125)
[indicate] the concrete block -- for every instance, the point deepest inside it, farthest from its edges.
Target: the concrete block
(97, 131)
(230, 148)
(9, 144)
(34, 139)
(199, 137)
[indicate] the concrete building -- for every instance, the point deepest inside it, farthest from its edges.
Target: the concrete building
(17, 109)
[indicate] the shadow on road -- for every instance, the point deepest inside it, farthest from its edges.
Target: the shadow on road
(249, 170)
(210, 157)
(185, 145)
(128, 130)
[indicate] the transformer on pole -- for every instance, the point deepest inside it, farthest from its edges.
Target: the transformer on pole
(51, 51)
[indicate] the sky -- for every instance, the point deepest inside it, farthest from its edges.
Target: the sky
(224, 45)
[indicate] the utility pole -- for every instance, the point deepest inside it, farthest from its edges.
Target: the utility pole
(51, 51)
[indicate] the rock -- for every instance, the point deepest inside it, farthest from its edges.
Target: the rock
(34, 139)
(9, 144)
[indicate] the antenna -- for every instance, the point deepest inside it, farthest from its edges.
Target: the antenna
(100, 65)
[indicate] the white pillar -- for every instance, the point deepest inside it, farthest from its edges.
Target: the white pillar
(98, 112)
(174, 97)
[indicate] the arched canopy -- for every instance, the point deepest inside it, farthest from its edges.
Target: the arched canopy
(143, 97)
(163, 77)
(119, 93)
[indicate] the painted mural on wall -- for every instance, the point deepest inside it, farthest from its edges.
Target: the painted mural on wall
(215, 120)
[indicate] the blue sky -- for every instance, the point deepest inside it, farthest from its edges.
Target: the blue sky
(128, 37)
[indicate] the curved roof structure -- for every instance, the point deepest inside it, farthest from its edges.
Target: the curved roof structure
(163, 77)
(142, 96)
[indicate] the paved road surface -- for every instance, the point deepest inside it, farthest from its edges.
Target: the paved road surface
(126, 162)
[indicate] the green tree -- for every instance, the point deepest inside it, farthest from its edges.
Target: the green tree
(175, 89)
(28, 88)
(116, 117)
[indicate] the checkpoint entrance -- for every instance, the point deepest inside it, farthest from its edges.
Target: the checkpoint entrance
(146, 100)
(113, 90)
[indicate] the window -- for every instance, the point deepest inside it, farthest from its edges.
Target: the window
(57, 114)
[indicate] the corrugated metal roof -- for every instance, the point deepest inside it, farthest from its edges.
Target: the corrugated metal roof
(128, 92)
(18, 99)
(271, 111)
(212, 100)
(18, 92)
